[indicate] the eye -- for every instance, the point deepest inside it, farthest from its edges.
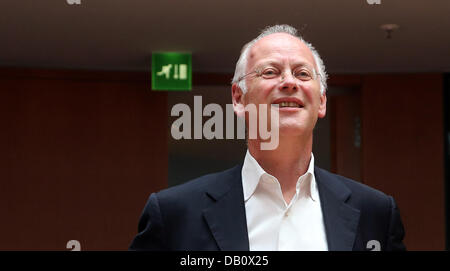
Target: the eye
(269, 73)
(303, 75)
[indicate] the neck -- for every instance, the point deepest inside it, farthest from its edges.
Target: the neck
(287, 162)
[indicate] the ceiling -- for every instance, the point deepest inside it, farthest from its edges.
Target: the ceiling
(120, 35)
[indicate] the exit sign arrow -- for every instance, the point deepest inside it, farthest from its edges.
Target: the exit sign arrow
(171, 71)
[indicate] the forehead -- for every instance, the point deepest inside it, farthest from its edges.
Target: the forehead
(280, 47)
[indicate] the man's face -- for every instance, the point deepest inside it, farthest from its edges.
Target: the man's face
(282, 63)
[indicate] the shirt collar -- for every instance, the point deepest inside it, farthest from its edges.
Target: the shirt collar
(252, 173)
(312, 180)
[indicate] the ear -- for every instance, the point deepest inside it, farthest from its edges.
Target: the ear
(237, 97)
(323, 105)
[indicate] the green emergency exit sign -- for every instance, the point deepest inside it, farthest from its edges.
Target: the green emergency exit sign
(171, 71)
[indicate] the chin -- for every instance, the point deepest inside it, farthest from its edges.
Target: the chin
(292, 129)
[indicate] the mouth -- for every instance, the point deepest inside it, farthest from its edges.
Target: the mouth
(288, 103)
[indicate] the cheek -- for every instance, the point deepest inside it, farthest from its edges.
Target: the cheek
(308, 92)
(312, 92)
(259, 93)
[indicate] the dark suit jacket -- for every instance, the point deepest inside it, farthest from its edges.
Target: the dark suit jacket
(208, 213)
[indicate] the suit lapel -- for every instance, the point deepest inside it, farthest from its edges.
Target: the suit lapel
(226, 215)
(341, 220)
(227, 220)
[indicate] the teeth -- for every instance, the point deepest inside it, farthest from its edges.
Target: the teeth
(288, 104)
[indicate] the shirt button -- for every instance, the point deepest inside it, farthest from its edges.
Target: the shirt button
(286, 214)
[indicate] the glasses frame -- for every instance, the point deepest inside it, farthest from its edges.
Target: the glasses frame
(258, 71)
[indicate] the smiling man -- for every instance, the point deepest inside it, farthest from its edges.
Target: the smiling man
(278, 199)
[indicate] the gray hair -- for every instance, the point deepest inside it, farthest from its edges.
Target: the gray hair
(241, 65)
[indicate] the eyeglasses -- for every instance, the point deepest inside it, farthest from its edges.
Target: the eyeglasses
(302, 73)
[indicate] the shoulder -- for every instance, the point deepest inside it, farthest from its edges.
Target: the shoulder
(198, 186)
(359, 193)
(378, 219)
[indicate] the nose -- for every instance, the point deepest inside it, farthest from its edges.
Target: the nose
(289, 82)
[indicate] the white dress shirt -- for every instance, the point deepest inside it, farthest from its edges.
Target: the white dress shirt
(273, 224)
